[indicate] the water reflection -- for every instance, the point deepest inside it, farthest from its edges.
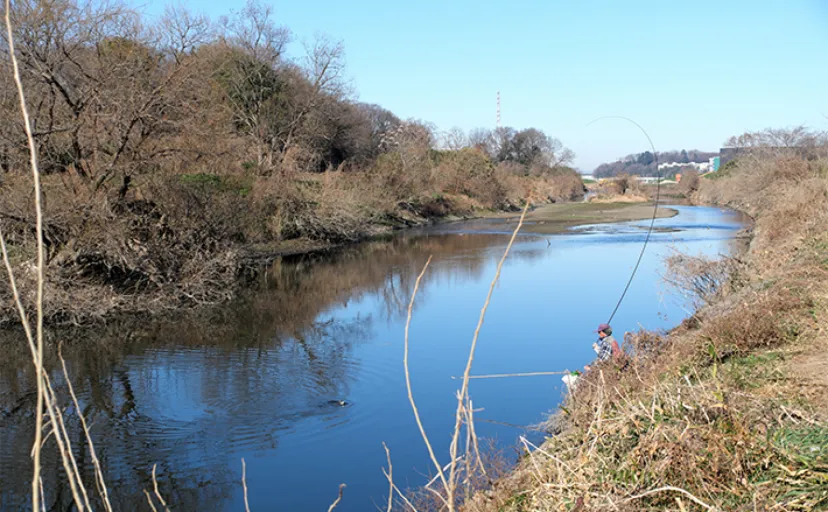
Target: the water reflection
(196, 391)
(188, 391)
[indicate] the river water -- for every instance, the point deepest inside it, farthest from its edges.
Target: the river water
(195, 393)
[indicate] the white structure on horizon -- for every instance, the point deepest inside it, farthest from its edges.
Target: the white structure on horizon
(649, 179)
(699, 166)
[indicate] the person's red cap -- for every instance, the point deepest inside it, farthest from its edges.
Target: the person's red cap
(602, 327)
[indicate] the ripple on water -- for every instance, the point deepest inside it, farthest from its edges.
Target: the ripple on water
(246, 399)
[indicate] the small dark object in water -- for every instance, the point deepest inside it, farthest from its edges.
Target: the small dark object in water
(340, 403)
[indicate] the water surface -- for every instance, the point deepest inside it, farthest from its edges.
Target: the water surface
(255, 379)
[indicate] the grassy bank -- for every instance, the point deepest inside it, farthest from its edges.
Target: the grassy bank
(728, 410)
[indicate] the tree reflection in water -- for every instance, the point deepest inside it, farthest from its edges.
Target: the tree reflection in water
(189, 389)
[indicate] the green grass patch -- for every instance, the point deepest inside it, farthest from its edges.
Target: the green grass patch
(754, 370)
(241, 185)
(517, 503)
(724, 171)
(808, 444)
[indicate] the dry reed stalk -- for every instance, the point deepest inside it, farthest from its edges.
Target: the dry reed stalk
(464, 389)
(392, 487)
(42, 496)
(528, 443)
(400, 494)
(101, 483)
(338, 498)
(667, 488)
(157, 492)
(64, 446)
(390, 475)
(408, 383)
(149, 500)
(39, 233)
(437, 477)
(244, 485)
(538, 473)
(475, 443)
(468, 455)
(45, 395)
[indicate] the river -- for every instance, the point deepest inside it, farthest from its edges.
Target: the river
(196, 392)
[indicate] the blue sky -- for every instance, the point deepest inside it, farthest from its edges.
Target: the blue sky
(691, 73)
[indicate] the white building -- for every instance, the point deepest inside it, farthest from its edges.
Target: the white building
(699, 166)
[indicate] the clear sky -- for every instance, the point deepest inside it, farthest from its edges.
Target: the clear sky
(692, 73)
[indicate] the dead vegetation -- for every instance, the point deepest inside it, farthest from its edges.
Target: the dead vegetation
(620, 189)
(169, 148)
(711, 416)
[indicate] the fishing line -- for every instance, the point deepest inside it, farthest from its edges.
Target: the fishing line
(655, 210)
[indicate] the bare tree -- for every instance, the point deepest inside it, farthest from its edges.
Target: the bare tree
(254, 30)
(381, 122)
(797, 137)
(108, 97)
(455, 139)
(323, 72)
(181, 31)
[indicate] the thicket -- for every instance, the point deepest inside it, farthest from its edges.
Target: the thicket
(168, 149)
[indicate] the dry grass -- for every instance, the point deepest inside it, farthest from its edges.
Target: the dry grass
(709, 416)
(182, 239)
(621, 189)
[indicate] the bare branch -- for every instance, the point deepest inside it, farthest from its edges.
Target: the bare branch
(254, 30)
(464, 389)
(183, 31)
(338, 498)
(390, 476)
(157, 492)
(244, 484)
(408, 380)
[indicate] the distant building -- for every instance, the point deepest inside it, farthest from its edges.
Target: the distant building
(699, 166)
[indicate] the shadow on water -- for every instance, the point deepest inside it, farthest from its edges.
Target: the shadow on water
(262, 377)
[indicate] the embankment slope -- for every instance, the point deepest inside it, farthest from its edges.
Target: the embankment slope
(726, 412)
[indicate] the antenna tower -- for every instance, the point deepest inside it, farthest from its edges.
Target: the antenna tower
(498, 110)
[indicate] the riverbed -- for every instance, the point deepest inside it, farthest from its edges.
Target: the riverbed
(302, 376)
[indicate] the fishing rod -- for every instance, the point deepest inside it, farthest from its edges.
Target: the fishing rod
(502, 375)
(655, 211)
(637, 263)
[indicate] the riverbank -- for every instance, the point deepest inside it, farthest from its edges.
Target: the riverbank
(728, 410)
(556, 218)
(184, 241)
(87, 296)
